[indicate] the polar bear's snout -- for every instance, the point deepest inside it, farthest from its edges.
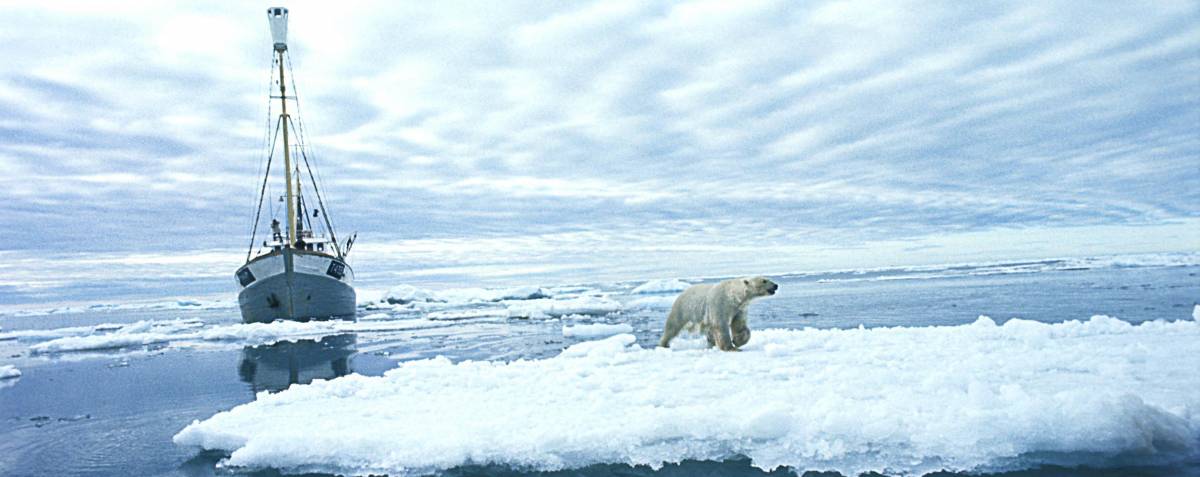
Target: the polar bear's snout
(771, 287)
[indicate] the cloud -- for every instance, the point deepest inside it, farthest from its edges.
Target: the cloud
(830, 124)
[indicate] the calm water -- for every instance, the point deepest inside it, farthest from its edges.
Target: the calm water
(114, 412)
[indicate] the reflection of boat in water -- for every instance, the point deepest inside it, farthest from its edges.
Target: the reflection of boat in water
(276, 366)
(298, 274)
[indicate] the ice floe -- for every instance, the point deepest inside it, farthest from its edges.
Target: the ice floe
(144, 333)
(405, 294)
(595, 330)
(650, 302)
(180, 304)
(660, 286)
(895, 400)
(469, 314)
(148, 332)
(554, 308)
(9, 371)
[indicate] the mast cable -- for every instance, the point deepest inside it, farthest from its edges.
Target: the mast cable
(318, 180)
(264, 152)
(262, 193)
(321, 203)
(317, 184)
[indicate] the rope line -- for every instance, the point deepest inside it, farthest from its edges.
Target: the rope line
(316, 179)
(321, 203)
(262, 193)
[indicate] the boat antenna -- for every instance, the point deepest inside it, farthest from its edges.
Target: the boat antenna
(277, 16)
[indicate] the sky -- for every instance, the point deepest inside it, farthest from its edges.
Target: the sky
(609, 138)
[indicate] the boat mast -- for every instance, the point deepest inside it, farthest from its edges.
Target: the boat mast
(278, 19)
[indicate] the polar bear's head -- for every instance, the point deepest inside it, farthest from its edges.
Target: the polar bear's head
(759, 286)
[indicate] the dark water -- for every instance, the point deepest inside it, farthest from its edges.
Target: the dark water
(114, 412)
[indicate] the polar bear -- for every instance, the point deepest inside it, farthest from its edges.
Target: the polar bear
(718, 311)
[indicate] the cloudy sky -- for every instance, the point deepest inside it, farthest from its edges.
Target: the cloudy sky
(652, 138)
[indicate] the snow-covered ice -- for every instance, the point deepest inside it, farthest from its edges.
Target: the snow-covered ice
(904, 400)
(156, 332)
(180, 304)
(176, 331)
(595, 330)
(405, 294)
(475, 295)
(660, 286)
(9, 371)
(651, 302)
(469, 314)
(553, 308)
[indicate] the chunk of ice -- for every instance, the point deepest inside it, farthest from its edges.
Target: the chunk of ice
(900, 400)
(9, 371)
(660, 286)
(552, 308)
(595, 330)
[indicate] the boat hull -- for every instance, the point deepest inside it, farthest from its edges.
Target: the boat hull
(291, 285)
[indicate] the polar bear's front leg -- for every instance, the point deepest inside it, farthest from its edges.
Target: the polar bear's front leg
(741, 331)
(718, 332)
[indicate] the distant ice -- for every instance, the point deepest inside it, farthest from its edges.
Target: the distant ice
(179, 331)
(553, 308)
(405, 294)
(180, 304)
(394, 325)
(896, 400)
(651, 302)
(927, 272)
(9, 371)
(470, 314)
(1196, 312)
(661, 286)
(473, 295)
(150, 332)
(595, 330)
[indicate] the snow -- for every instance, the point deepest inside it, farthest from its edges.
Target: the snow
(660, 286)
(554, 308)
(404, 294)
(1196, 312)
(605, 348)
(904, 400)
(595, 330)
(9, 371)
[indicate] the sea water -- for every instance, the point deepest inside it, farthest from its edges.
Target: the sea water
(108, 390)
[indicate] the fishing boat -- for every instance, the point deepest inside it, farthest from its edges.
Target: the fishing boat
(299, 273)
